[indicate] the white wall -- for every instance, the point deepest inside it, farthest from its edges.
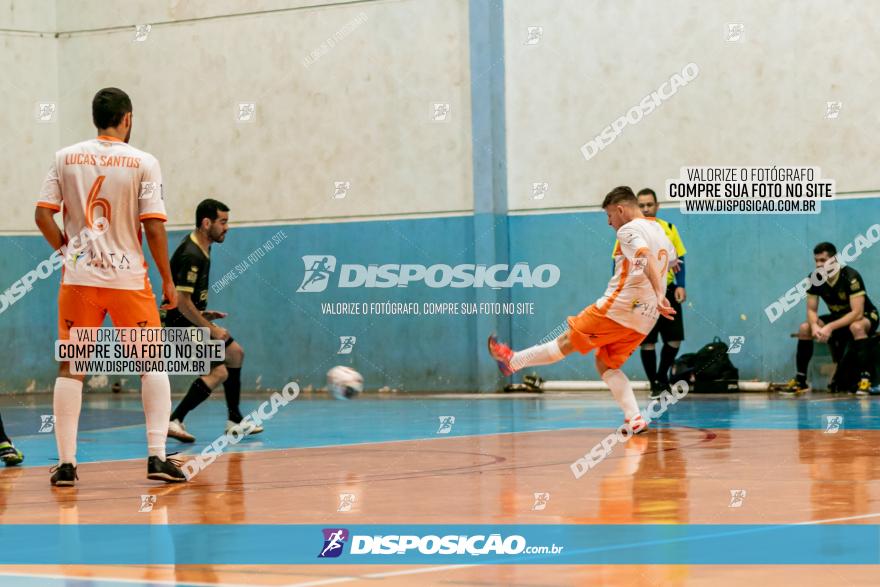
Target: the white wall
(28, 65)
(360, 113)
(757, 102)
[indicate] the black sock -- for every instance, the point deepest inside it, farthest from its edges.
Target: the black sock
(667, 358)
(862, 348)
(198, 392)
(232, 389)
(804, 354)
(649, 363)
(3, 437)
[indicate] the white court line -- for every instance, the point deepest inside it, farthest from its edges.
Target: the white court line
(829, 520)
(183, 453)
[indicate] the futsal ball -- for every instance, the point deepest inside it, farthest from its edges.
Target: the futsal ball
(344, 382)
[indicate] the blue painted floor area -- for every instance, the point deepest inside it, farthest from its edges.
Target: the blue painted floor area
(112, 427)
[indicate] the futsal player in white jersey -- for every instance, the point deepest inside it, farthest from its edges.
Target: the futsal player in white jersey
(617, 323)
(106, 188)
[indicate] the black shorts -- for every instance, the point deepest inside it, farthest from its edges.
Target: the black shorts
(842, 336)
(671, 330)
(181, 322)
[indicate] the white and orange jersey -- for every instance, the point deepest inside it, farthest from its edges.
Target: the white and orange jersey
(630, 299)
(105, 178)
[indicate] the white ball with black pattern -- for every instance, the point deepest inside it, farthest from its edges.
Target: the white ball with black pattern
(344, 382)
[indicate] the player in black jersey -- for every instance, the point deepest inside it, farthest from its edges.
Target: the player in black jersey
(850, 321)
(190, 267)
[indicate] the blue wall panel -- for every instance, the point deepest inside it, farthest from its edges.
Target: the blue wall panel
(737, 265)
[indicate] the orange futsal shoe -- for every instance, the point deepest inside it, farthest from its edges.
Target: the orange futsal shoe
(502, 355)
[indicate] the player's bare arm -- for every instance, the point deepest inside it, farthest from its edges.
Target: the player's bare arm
(157, 240)
(45, 219)
(191, 313)
(213, 314)
(813, 313)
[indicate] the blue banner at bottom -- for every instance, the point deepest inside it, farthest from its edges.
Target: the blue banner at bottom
(250, 544)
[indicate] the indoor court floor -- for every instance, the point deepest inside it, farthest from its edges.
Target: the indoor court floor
(725, 460)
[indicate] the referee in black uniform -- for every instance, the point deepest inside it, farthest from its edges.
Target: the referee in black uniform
(190, 267)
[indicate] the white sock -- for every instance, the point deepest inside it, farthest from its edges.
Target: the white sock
(156, 397)
(66, 404)
(540, 354)
(622, 392)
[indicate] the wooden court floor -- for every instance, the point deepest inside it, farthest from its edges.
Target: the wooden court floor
(776, 454)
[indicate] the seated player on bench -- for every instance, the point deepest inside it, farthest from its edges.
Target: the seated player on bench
(847, 328)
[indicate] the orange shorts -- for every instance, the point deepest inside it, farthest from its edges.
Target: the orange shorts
(85, 306)
(615, 343)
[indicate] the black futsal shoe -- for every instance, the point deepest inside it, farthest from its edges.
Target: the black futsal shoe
(63, 475)
(167, 470)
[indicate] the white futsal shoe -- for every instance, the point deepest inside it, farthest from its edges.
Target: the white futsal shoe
(230, 426)
(177, 430)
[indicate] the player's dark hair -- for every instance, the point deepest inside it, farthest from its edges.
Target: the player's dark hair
(621, 194)
(208, 209)
(109, 106)
(647, 192)
(825, 248)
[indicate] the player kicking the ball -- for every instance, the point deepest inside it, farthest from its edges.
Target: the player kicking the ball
(617, 323)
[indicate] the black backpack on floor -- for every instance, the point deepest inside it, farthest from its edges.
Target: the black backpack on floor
(708, 370)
